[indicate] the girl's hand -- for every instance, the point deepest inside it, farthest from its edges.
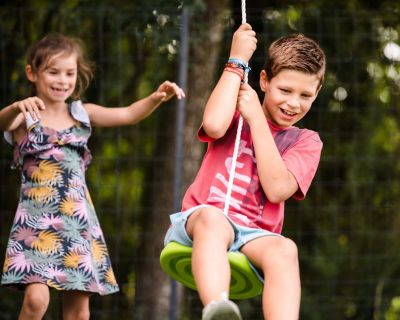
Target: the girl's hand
(166, 91)
(248, 103)
(244, 43)
(31, 105)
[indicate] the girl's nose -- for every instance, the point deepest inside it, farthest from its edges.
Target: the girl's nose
(62, 78)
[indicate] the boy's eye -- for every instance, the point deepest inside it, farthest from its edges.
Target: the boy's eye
(284, 90)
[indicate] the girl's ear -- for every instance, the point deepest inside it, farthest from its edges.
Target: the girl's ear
(29, 73)
(263, 80)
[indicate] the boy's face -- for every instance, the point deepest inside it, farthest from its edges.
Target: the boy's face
(288, 95)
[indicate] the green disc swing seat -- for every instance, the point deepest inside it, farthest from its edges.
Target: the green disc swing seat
(176, 261)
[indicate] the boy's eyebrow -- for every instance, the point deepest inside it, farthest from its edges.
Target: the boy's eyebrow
(285, 87)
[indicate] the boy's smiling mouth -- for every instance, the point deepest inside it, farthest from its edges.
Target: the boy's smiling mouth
(287, 112)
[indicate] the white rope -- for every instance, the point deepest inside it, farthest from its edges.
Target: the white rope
(243, 11)
(237, 140)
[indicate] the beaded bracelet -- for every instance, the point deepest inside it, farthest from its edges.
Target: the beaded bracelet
(239, 72)
(239, 64)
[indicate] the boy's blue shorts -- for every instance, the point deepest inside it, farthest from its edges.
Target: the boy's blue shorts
(177, 232)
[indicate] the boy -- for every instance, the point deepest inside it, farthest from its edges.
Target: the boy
(275, 162)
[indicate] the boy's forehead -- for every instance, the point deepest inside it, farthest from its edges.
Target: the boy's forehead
(306, 81)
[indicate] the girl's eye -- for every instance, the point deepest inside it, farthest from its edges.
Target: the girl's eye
(284, 90)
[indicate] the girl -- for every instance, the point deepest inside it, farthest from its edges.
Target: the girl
(56, 240)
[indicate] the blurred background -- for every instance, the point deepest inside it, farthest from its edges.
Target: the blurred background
(347, 228)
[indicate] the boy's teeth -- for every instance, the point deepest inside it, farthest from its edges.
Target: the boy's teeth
(288, 113)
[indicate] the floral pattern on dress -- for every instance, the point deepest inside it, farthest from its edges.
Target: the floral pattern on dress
(56, 238)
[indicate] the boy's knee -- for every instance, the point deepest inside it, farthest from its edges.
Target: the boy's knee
(209, 221)
(284, 251)
(209, 218)
(289, 250)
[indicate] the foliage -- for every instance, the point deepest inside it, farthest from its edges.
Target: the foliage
(134, 45)
(347, 229)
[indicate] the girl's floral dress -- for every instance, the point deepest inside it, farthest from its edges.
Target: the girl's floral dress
(56, 238)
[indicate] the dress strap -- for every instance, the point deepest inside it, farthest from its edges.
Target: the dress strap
(79, 113)
(30, 123)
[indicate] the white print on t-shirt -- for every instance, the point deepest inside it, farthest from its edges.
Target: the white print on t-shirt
(218, 191)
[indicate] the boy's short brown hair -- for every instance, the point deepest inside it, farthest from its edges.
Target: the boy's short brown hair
(295, 52)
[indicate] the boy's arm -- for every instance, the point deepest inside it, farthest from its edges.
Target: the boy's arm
(278, 183)
(221, 104)
(134, 113)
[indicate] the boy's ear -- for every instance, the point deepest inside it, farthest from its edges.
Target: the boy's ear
(29, 73)
(263, 80)
(319, 88)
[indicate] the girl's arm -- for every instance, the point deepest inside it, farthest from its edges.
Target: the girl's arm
(278, 183)
(221, 105)
(12, 116)
(134, 113)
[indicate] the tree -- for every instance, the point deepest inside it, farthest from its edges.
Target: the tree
(205, 36)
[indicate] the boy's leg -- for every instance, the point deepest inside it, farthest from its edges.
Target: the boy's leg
(212, 235)
(277, 258)
(76, 305)
(36, 301)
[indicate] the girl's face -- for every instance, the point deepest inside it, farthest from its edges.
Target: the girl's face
(288, 96)
(56, 81)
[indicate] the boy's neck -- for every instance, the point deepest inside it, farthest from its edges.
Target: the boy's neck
(276, 127)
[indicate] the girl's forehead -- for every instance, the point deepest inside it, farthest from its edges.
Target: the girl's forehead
(62, 58)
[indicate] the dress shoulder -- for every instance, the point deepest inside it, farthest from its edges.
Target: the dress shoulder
(79, 112)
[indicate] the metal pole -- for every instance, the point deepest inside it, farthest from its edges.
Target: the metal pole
(179, 133)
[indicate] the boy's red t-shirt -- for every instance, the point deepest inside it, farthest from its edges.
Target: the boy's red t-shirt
(249, 206)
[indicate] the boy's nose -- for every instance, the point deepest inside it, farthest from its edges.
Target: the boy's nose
(293, 102)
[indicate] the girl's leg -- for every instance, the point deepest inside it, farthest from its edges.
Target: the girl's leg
(76, 305)
(212, 234)
(36, 301)
(277, 258)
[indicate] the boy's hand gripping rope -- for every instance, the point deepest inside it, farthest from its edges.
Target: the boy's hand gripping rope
(238, 134)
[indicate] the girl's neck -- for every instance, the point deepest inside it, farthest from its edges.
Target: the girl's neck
(56, 115)
(54, 106)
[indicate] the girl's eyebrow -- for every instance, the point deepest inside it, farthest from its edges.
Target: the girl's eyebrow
(55, 68)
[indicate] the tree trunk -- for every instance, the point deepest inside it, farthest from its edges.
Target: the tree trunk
(153, 286)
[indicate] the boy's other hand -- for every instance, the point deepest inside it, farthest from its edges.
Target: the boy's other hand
(248, 103)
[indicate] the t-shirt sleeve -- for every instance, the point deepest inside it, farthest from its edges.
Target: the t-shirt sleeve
(302, 161)
(202, 135)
